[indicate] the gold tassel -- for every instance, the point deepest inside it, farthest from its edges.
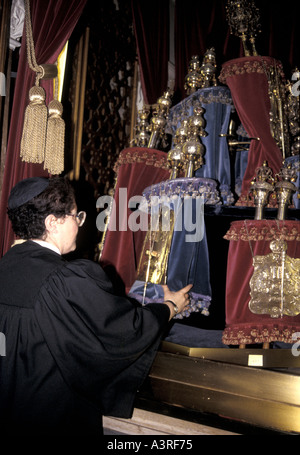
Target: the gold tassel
(43, 137)
(55, 139)
(35, 125)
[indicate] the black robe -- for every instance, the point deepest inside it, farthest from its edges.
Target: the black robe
(74, 350)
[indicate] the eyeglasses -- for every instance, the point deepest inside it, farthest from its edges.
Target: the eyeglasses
(79, 217)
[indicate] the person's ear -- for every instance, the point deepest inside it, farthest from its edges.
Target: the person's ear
(51, 223)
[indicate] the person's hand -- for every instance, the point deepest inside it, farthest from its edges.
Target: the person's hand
(179, 298)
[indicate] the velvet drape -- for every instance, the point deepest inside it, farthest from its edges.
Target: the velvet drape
(246, 77)
(151, 27)
(250, 238)
(200, 25)
(52, 24)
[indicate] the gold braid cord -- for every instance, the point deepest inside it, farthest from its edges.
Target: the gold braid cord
(42, 137)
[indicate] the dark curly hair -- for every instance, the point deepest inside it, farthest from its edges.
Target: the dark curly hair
(28, 220)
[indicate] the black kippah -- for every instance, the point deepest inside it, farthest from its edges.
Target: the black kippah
(26, 190)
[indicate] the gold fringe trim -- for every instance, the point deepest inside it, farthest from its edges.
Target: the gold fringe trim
(247, 66)
(246, 200)
(132, 156)
(264, 230)
(259, 334)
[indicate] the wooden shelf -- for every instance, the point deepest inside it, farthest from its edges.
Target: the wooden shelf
(258, 396)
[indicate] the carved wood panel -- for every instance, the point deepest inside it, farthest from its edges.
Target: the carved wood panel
(108, 90)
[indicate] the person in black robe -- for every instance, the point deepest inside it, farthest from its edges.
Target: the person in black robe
(74, 350)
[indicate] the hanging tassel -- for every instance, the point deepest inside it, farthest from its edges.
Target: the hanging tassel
(55, 139)
(42, 138)
(32, 147)
(34, 128)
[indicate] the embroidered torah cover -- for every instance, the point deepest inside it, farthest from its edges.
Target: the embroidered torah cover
(242, 325)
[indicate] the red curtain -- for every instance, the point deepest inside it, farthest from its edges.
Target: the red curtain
(203, 24)
(246, 77)
(151, 27)
(52, 23)
(198, 26)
